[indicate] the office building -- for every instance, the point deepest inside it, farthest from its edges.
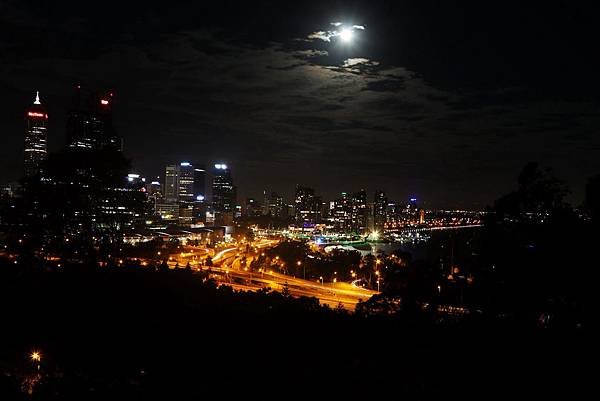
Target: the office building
(185, 183)
(36, 137)
(171, 186)
(358, 212)
(223, 194)
(380, 203)
(276, 208)
(89, 122)
(307, 207)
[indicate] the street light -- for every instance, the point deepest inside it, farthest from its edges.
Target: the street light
(36, 357)
(378, 285)
(303, 268)
(321, 278)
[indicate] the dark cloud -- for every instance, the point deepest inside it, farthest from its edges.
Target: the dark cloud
(444, 101)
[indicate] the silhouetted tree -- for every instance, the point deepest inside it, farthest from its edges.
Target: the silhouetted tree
(81, 203)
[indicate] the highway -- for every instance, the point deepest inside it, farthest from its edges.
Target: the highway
(230, 268)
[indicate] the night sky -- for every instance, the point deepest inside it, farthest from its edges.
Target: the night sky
(443, 100)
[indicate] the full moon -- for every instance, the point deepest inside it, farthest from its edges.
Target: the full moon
(346, 35)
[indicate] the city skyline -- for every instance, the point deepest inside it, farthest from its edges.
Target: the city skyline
(375, 199)
(386, 107)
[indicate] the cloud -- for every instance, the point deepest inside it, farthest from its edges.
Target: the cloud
(284, 110)
(327, 35)
(322, 35)
(358, 60)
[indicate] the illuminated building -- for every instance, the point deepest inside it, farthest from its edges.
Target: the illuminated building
(358, 214)
(380, 203)
(276, 207)
(185, 183)
(154, 189)
(339, 212)
(171, 189)
(307, 207)
(265, 205)
(167, 211)
(223, 194)
(199, 183)
(253, 208)
(89, 122)
(391, 215)
(36, 137)
(200, 205)
(185, 186)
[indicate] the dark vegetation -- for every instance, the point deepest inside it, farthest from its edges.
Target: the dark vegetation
(136, 334)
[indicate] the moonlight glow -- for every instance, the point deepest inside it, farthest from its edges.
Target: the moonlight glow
(346, 35)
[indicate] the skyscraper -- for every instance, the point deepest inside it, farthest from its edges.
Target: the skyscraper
(358, 213)
(171, 187)
(199, 183)
(223, 194)
(380, 203)
(340, 212)
(276, 207)
(185, 183)
(36, 137)
(185, 191)
(307, 206)
(89, 122)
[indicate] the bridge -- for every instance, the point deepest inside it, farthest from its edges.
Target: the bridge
(435, 228)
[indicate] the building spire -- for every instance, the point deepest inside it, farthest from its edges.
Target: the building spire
(37, 97)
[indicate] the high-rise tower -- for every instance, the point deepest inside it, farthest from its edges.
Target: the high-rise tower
(223, 192)
(36, 137)
(89, 123)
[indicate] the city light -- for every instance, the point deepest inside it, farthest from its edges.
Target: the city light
(35, 356)
(36, 114)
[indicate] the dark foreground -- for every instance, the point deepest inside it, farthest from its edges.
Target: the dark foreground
(136, 335)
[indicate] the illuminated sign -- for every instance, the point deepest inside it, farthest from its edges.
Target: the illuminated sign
(104, 102)
(34, 114)
(185, 164)
(199, 198)
(221, 166)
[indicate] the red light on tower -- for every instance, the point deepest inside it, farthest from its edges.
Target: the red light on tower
(36, 114)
